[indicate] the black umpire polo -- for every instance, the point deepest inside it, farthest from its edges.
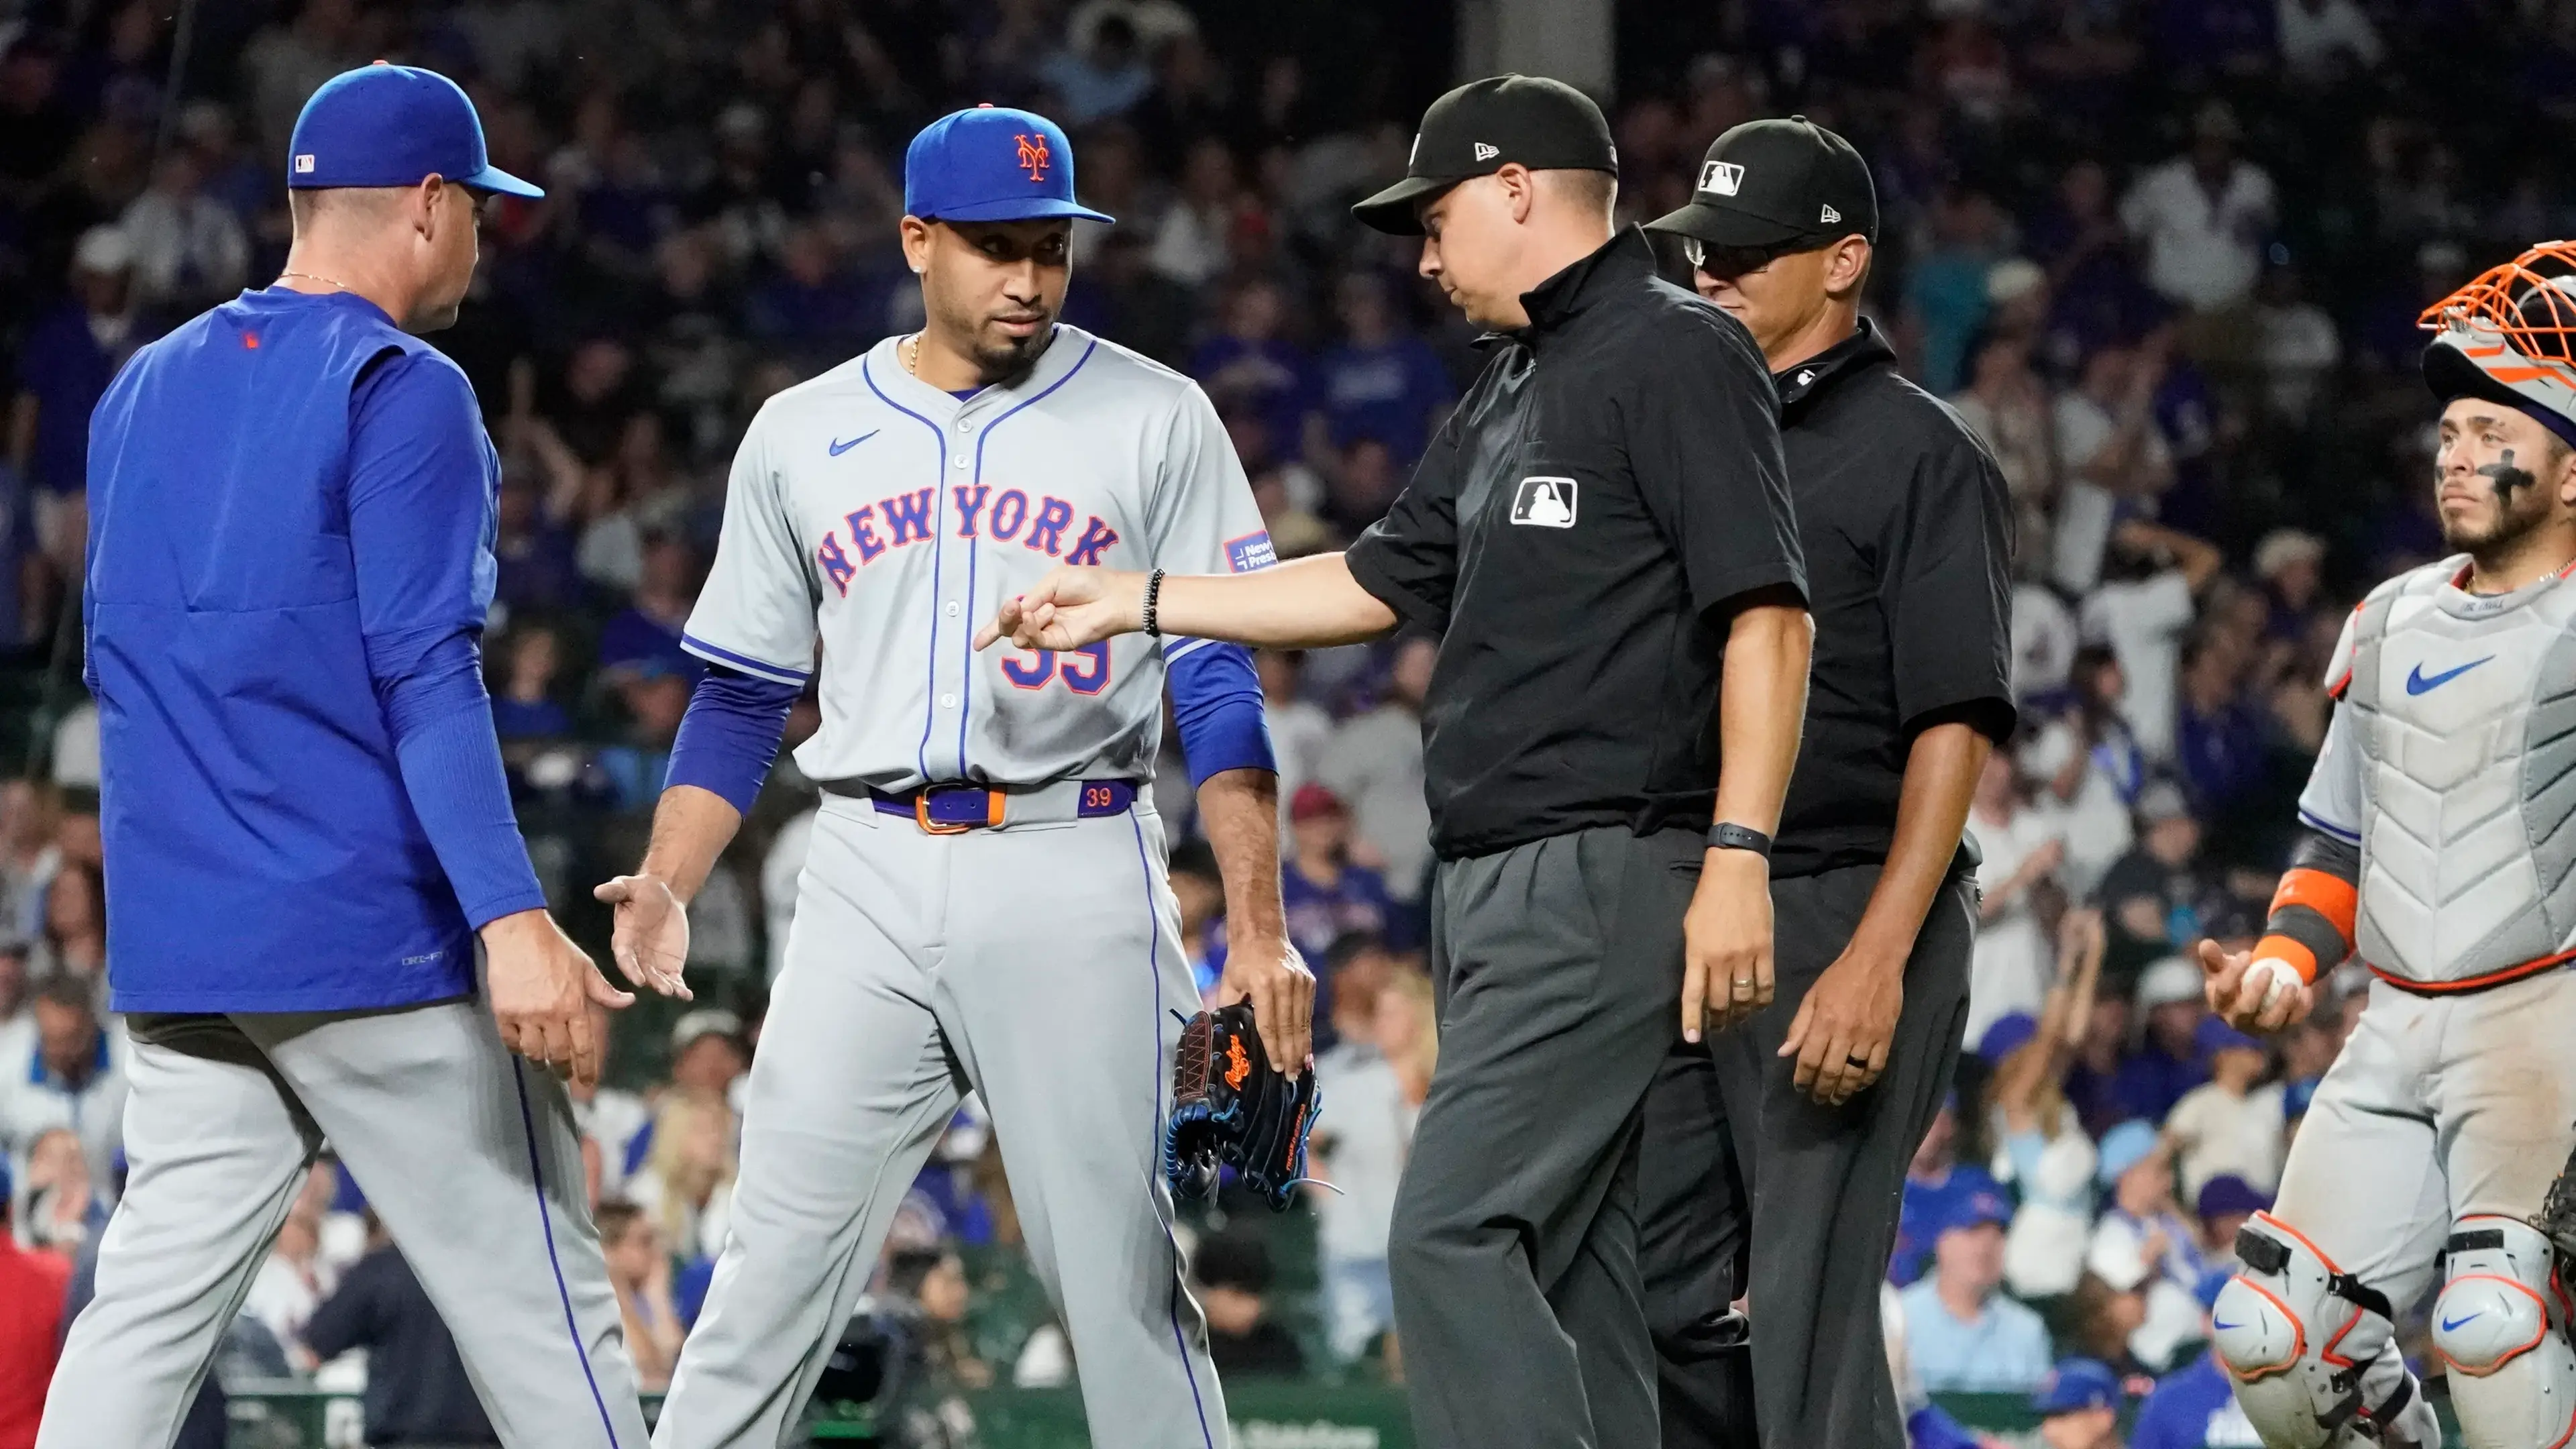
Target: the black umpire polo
(1578, 535)
(1748, 1185)
(1612, 479)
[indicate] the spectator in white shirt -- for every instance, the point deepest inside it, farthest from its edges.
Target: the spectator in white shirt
(686, 1182)
(189, 248)
(2324, 40)
(1375, 763)
(2143, 613)
(2044, 639)
(2114, 455)
(2296, 344)
(2228, 1126)
(2040, 1145)
(1377, 1090)
(2022, 850)
(72, 1076)
(2089, 768)
(2203, 218)
(1301, 732)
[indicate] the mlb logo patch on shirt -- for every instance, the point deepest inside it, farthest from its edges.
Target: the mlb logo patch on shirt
(1252, 551)
(304, 163)
(1543, 502)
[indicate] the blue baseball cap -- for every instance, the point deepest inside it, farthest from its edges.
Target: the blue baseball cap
(2227, 1194)
(1975, 1210)
(2124, 1147)
(392, 125)
(991, 163)
(2005, 1035)
(2076, 1384)
(2212, 1282)
(2214, 1035)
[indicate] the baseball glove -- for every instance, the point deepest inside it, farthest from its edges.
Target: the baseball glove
(2557, 1217)
(1231, 1108)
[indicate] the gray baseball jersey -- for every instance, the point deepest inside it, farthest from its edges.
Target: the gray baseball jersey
(1038, 963)
(889, 518)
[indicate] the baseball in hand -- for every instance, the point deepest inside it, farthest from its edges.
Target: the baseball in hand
(2279, 976)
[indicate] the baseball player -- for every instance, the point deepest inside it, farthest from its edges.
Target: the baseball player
(2437, 845)
(305, 819)
(984, 905)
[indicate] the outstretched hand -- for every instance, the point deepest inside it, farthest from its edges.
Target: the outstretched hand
(651, 937)
(1067, 609)
(2249, 999)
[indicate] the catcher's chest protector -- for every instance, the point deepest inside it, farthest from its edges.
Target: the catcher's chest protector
(2464, 710)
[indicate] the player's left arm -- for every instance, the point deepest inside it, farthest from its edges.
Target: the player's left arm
(1201, 518)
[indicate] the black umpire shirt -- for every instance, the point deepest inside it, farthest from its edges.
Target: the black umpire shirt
(1573, 535)
(1905, 524)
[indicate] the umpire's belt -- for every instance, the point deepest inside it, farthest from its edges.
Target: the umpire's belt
(956, 809)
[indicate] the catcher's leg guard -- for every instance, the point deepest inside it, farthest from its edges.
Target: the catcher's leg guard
(2501, 1326)
(2311, 1349)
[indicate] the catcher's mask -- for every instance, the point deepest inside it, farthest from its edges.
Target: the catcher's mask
(2509, 336)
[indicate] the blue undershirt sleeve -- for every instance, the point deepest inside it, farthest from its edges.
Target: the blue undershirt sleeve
(730, 735)
(1216, 704)
(423, 484)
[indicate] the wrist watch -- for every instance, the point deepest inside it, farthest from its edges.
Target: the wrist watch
(1726, 836)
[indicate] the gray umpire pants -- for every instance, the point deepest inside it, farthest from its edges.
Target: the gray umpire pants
(1557, 967)
(1804, 1216)
(468, 1154)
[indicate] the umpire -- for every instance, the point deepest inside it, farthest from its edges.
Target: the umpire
(1601, 538)
(1827, 1092)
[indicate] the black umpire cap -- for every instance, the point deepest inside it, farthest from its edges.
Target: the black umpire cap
(1483, 126)
(1778, 186)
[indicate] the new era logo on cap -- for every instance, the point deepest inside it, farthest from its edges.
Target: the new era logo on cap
(1830, 215)
(1487, 153)
(1722, 177)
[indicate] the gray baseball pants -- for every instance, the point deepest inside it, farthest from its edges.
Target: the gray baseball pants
(468, 1154)
(1038, 964)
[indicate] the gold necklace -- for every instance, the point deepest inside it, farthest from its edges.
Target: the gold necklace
(310, 277)
(908, 352)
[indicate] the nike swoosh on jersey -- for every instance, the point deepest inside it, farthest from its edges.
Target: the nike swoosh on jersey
(839, 447)
(2417, 682)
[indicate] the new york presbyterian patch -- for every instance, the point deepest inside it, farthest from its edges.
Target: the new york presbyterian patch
(1252, 551)
(1544, 502)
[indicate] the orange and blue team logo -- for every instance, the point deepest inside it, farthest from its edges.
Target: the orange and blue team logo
(1033, 155)
(1252, 551)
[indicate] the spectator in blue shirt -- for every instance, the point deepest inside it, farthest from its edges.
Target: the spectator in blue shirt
(1964, 1334)
(1380, 382)
(417, 1390)
(524, 706)
(646, 633)
(1326, 896)
(1248, 364)
(2168, 1064)
(2194, 1407)
(69, 357)
(2078, 1405)
(1935, 1184)
(2221, 738)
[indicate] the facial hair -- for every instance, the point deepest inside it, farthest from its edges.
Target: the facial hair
(2516, 519)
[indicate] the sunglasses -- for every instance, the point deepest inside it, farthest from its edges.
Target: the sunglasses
(1720, 261)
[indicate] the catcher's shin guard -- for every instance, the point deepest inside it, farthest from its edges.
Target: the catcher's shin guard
(2311, 1349)
(2501, 1326)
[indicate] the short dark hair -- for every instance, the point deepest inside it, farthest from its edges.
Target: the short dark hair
(66, 989)
(614, 1217)
(1593, 190)
(1195, 857)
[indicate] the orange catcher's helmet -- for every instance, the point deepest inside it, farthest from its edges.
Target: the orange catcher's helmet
(2510, 336)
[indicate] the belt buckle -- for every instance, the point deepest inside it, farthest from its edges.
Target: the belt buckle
(993, 808)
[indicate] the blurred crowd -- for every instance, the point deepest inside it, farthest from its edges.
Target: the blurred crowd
(2165, 257)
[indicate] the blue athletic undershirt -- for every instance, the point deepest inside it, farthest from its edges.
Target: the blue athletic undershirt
(1216, 706)
(730, 735)
(450, 759)
(729, 738)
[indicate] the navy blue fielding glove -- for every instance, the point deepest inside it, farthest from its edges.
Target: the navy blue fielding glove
(1231, 1108)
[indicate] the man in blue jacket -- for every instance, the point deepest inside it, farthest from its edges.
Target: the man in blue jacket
(292, 506)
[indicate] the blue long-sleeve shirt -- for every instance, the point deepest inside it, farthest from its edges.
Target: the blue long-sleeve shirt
(293, 506)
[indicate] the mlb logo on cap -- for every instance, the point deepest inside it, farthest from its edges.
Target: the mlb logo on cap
(1722, 177)
(393, 125)
(991, 163)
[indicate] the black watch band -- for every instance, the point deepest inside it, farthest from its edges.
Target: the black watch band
(1725, 836)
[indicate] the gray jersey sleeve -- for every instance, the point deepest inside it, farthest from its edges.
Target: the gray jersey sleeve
(2332, 801)
(756, 613)
(1201, 517)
